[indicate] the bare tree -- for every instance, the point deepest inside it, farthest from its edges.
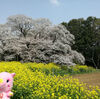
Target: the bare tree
(20, 23)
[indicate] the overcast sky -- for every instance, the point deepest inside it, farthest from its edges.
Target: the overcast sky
(56, 11)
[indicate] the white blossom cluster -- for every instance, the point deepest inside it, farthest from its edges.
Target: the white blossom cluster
(27, 40)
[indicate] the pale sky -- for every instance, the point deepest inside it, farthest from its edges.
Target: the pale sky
(56, 11)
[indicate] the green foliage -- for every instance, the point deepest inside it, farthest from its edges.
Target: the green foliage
(52, 69)
(48, 69)
(78, 69)
(87, 38)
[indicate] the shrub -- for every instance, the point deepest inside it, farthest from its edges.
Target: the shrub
(78, 69)
(50, 68)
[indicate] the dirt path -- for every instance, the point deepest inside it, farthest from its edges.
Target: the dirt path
(91, 79)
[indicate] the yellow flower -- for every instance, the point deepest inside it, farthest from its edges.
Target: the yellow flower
(11, 93)
(35, 81)
(1, 80)
(53, 94)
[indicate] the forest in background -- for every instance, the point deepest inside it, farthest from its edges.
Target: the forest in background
(87, 38)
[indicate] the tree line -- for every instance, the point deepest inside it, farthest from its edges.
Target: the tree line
(87, 38)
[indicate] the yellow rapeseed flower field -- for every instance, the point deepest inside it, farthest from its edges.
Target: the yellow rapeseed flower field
(43, 81)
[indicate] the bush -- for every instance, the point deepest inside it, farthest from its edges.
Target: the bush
(48, 69)
(78, 69)
(35, 84)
